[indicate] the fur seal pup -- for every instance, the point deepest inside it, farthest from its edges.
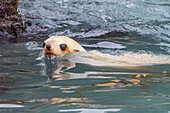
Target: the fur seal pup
(60, 46)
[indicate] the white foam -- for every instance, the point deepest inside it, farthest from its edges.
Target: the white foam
(32, 45)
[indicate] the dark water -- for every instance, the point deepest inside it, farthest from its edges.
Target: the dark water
(43, 85)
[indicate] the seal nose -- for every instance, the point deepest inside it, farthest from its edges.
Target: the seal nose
(48, 47)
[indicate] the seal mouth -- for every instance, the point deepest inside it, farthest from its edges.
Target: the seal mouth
(52, 55)
(48, 54)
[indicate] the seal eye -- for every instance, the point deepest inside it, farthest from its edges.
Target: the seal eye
(44, 44)
(63, 47)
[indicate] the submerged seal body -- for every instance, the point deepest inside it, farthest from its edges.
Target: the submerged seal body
(61, 45)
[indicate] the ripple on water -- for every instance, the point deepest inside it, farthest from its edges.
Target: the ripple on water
(10, 106)
(105, 44)
(90, 110)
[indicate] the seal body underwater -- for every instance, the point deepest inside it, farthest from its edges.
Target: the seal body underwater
(61, 45)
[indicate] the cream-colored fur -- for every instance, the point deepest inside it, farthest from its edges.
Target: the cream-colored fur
(80, 55)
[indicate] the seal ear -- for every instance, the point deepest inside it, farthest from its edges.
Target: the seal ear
(76, 50)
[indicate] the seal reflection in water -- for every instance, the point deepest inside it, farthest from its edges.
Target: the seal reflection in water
(60, 46)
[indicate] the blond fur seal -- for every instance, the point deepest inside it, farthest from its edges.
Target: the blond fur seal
(61, 45)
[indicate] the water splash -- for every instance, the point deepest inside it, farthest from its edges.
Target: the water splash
(32, 45)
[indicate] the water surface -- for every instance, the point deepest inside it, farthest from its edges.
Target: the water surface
(110, 26)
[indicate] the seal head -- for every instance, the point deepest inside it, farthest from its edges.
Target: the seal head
(60, 45)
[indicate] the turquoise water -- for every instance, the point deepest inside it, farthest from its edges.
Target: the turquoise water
(31, 84)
